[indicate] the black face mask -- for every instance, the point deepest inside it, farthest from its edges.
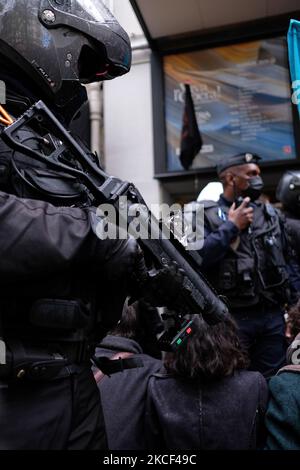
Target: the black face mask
(254, 189)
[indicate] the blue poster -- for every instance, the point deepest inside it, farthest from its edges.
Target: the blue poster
(242, 99)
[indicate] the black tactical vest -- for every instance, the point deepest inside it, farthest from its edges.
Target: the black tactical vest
(254, 267)
(59, 308)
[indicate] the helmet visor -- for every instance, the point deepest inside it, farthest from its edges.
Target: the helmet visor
(88, 10)
(99, 27)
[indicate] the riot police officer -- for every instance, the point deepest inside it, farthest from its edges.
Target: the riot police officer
(244, 258)
(58, 281)
(288, 193)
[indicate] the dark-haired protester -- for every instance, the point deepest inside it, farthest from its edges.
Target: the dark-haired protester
(123, 394)
(293, 323)
(283, 413)
(204, 399)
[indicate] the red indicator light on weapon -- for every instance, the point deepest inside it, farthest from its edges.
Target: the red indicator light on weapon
(189, 330)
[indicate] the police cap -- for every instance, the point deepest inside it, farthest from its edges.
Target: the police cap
(240, 159)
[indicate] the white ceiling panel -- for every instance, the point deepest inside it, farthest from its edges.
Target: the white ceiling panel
(218, 13)
(276, 7)
(171, 17)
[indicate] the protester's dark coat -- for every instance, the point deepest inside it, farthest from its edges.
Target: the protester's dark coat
(283, 413)
(123, 395)
(225, 414)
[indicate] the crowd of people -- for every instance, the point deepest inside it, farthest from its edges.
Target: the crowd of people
(69, 299)
(233, 385)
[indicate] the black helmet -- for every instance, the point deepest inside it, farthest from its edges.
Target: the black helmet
(288, 190)
(59, 44)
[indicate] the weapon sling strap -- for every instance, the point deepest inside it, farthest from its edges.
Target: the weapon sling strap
(117, 363)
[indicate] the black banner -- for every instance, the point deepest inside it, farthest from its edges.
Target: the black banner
(191, 140)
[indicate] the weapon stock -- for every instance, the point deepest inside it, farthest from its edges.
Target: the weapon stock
(65, 155)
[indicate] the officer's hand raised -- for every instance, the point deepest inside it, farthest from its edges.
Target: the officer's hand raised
(242, 216)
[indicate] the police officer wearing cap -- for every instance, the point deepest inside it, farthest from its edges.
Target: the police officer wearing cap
(244, 258)
(61, 287)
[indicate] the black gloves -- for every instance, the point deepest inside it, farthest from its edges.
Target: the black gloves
(113, 259)
(119, 258)
(123, 260)
(163, 287)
